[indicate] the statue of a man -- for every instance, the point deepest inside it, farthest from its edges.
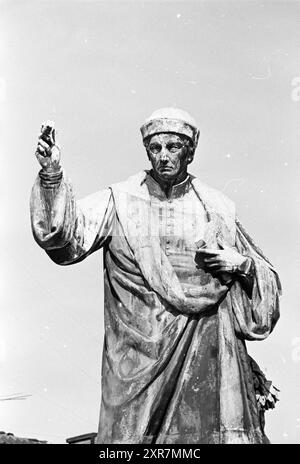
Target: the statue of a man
(185, 286)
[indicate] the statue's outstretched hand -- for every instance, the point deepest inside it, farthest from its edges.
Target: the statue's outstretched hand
(48, 151)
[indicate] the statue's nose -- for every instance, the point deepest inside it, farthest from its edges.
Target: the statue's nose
(164, 155)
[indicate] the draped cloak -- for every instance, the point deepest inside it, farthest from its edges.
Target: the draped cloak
(175, 368)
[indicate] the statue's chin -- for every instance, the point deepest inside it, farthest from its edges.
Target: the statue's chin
(166, 175)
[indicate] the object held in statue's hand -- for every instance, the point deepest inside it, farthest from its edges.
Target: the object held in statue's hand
(48, 133)
(224, 277)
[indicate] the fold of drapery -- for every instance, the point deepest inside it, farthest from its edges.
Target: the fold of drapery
(140, 223)
(255, 318)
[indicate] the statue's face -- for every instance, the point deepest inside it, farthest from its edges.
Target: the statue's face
(169, 155)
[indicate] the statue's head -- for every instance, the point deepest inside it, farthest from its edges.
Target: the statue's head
(170, 137)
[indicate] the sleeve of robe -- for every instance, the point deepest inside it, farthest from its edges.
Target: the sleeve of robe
(67, 230)
(255, 317)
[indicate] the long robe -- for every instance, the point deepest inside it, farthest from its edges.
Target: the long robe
(175, 367)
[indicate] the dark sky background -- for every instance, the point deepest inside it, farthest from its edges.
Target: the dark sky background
(98, 69)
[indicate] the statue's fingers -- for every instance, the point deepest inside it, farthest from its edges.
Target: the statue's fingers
(207, 252)
(214, 267)
(217, 272)
(45, 139)
(43, 151)
(211, 259)
(43, 143)
(224, 268)
(40, 151)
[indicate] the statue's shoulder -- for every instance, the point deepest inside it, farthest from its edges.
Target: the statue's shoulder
(134, 179)
(131, 185)
(213, 197)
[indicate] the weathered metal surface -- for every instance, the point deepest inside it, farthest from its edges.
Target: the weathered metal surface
(175, 367)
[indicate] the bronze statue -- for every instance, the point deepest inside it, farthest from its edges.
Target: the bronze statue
(185, 287)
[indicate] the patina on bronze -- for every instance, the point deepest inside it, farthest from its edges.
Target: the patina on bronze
(185, 287)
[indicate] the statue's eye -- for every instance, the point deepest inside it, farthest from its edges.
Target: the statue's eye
(174, 147)
(155, 147)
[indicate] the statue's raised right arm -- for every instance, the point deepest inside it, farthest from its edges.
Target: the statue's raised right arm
(67, 230)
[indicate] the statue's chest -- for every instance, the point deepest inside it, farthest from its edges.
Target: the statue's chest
(181, 223)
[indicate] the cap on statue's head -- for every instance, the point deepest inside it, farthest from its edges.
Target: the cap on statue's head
(171, 120)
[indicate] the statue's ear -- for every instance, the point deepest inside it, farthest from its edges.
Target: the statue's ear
(192, 150)
(190, 158)
(191, 155)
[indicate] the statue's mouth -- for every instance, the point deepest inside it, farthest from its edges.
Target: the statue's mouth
(166, 168)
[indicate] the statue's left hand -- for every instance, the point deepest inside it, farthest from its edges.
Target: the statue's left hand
(218, 261)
